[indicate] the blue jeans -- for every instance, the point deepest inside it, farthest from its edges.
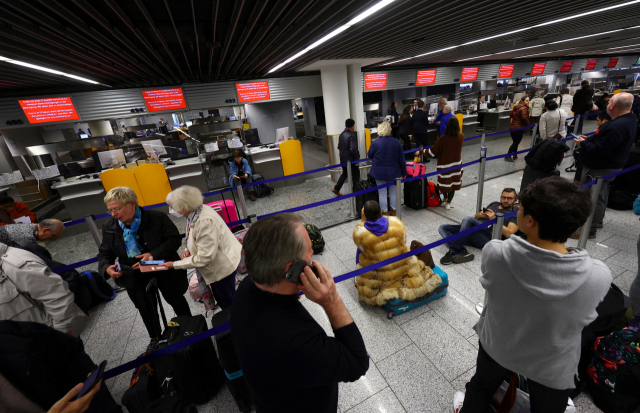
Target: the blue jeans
(476, 239)
(382, 195)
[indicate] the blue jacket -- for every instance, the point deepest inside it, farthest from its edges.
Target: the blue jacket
(636, 206)
(420, 122)
(233, 167)
(348, 146)
(610, 146)
(443, 122)
(388, 159)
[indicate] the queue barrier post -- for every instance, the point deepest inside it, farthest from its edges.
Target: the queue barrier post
(481, 169)
(352, 201)
(241, 200)
(93, 228)
(252, 219)
(496, 234)
(533, 135)
(584, 232)
(398, 198)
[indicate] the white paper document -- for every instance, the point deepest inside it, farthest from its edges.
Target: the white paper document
(211, 147)
(22, 220)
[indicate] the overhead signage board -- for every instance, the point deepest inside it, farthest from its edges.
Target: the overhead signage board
(375, 81)
(505, 71)
(426, 77)
(538, 69)
(49, 109)
(254, 91)
(469, 74)
(162, 100)
(613, 62)
(566, 66)
(591, 64)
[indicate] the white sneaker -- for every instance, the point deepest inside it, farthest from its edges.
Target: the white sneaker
(458, 401)
(447, 206)
(479, 308)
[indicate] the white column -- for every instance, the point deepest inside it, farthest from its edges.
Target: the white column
(100, 128)
(335, 93)
(354, 73)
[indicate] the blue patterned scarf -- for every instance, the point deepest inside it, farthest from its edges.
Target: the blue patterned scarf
(130, 235)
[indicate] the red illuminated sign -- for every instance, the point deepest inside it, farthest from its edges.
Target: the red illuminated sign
(426, 77)
(566, 66)
(373, 81)
(505, 71)
(468, 74)
(49, 109)
(591, 64)
(538, 69)
(250, 92)
(164, 99)
(613, 62)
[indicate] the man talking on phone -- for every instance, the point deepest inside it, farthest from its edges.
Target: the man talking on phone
(287, 358)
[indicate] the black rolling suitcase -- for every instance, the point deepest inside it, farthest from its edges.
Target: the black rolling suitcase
(231, 365)
(369, 196)
(414, 194)
(143, 390)
(193, 373)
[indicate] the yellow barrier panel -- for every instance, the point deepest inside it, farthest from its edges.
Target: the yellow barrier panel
(367, 133)
(153, 182)
(460, 119)
(291, 155)
(615, 92)
(121, 177)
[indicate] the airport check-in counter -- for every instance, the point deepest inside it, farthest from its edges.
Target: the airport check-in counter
(268, 163)
(496, 121)
(469, 126)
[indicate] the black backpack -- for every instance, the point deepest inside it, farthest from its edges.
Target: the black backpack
(546, 155)
(262, 190)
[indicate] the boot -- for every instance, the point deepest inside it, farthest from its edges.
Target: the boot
(384, 213)
(393, 212)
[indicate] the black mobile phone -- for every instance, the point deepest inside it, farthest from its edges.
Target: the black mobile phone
(297, 268)
(95, 377)
(484, 210)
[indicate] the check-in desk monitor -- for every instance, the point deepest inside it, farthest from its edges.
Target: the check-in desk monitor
(282, 134)
(109, 158)
(154, 147)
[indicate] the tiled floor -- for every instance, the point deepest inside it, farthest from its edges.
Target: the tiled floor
(418, 359)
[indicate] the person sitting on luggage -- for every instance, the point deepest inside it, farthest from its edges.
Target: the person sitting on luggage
(32, 292)
(387, 165)
(212, 249)
(540, 296)
(23, 234)
(10, 210)
(241, 173)
(132, 235)
(286, 357)
(379, 238)
(458, 254)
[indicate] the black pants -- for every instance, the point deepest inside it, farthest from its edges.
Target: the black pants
(516, 137)
(355, 172)
(421, 139)
(488, 378)
(406, 143)
(448, 197)
(173, 292)
(224, 290)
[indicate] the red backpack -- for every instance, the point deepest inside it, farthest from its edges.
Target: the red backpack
(432, 194)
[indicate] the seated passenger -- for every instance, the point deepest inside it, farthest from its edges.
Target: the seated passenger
(540, 296)
(379, 238)
(32, 292)
(241, 173)
(288, 360)
(24, 234)
(10, 210)
(457, 252)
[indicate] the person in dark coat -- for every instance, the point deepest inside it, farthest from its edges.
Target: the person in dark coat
(420, 124)
(348, 148)
(393, 112)
(406, 128)
(582, 103)
(134, 234)
(388, 164)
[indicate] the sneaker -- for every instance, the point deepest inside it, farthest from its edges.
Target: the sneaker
(335, 191)
(600, 225)
(509, 159)
(458, 401)
(463, 257)
(479, 308)
(447, 206)
(448, 258)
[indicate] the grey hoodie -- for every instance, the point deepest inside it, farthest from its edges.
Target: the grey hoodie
(538, 302)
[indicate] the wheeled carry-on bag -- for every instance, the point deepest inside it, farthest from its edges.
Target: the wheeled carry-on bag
(363, 198)
(398, 306)
(230, 363)
(414, 194)
(193, 372)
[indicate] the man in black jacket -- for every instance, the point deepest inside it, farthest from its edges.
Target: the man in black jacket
(420, 125)
(582, 103)
(607, 151)
(134, 234)
(348, 148)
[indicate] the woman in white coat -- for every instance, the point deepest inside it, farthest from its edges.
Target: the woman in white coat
(552, 121)
(566, 101)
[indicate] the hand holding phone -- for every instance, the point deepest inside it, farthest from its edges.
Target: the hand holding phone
(156, 262)
(94, 378)
(296, 269)
(484, 210)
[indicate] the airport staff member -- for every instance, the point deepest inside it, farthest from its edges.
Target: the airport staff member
(10, 210)
(481, 104)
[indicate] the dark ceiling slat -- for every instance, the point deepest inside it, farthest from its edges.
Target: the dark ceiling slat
(237, 9)
(259, 7)
(195, 33)
(166, 3)
(215, 20)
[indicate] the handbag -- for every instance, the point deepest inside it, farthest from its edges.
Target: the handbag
(558, 136)
(513, 397)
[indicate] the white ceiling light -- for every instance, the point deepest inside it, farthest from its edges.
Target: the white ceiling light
(44, 69)
(523, 29)
(357, 19)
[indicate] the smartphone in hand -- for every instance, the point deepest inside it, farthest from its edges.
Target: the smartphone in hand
(575, 136)
(156, 262)
(297, 268)
(95, 377)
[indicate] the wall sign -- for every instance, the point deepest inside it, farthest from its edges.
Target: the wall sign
(566, 66)
(375, 81)
(591, 64)
(505, 71)
(469, 74)
(426, 77)
(164, 99)
(251, 92)
(613, 62)
(49, 109)
(538, 69)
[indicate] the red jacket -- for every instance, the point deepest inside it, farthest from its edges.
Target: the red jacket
(21, 210)
(519, 116)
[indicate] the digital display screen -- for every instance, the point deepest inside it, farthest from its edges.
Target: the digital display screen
(613, 62)
(49, 109)
(538, 69)
(591, 64)
(164, 99)
(505, 71)
(251, 92)
(469, 74)
(374, 81)
(426, 77)
(566, 66)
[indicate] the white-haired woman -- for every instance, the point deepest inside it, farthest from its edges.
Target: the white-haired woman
(388, 164)
(212, 249)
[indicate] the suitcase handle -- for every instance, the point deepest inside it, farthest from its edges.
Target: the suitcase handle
(152, 290)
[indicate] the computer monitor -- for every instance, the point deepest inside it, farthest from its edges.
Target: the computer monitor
(84, 136)
(110, 158)
(252, 137)
(189, 124)
(282, 134)
(433, 108)
(153, 147)
(232, 118)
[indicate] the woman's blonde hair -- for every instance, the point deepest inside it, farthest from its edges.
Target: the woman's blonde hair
(384, 129)
(185, 199)
(124, 194)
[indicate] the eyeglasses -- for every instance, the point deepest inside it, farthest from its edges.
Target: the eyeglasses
(508, 198)
(115, 210)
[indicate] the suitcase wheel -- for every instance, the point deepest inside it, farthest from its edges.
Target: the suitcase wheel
(391, 314)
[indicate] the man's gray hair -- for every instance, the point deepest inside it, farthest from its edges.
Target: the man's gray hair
(185, 199)
(270, 244)
(124, 194)
(623, 100)
(447, 109)
(443, 100)
(53, 224)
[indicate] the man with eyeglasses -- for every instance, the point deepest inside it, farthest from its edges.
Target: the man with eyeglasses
(458, 254)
